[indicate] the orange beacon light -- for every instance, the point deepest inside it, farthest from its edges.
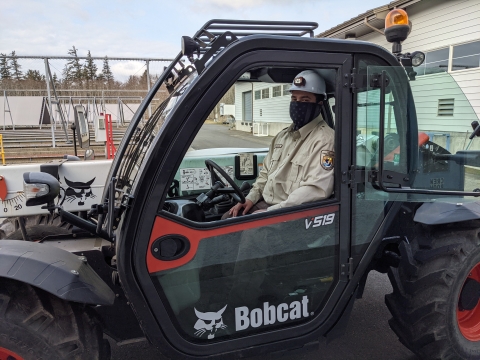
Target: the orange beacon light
(397, 28)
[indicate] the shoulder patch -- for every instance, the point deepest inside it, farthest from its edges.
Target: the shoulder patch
(327, 159)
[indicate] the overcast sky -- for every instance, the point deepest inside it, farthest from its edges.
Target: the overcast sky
(145, 28)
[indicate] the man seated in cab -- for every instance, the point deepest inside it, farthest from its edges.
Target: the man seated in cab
(299, 165)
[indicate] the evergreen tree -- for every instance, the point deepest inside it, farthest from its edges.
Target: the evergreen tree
(56, 82)
(143, 79)
(5, 68)
(90, 69)
(34, 75)
(66, 73)
(15, 66)
(107, 74)
(74, 68)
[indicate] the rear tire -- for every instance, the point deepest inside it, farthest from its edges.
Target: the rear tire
(37, 325)
(426, 290)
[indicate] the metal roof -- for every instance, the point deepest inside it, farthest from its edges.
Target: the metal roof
(356, 25)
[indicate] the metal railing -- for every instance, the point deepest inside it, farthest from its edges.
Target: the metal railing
(91, 96)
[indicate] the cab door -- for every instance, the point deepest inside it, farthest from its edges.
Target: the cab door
(263, 282)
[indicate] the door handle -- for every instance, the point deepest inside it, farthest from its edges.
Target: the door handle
(170, 247)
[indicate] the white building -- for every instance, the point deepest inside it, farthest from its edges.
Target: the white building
(447, 31)
(262, 107)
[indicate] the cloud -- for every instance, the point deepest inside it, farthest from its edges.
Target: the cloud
(153, 28)
(242, 4)
(123, 69)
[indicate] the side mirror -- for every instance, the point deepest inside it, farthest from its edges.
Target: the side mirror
(40, 188)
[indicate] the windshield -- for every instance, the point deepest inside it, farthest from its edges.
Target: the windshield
(143, 136)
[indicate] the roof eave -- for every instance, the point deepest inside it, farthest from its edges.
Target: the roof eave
(370, 15)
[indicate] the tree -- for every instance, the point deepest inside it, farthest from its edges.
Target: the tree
(74, 68)
(66, 73)
(107, 74)
(56, 82)
(34, 75)
(90, 69)
(5, 68)
(15, 66)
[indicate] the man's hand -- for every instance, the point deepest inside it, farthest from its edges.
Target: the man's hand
(246, 206)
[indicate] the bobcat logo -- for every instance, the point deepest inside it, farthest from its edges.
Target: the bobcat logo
(209, 323)
(78, 191)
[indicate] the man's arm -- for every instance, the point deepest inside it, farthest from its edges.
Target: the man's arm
(318, 184)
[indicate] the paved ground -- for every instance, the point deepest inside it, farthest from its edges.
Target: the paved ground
(218, 136)
(368, 336)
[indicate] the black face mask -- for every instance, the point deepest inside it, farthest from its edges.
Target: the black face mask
(303, 112)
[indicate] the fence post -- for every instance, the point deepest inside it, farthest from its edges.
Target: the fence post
(47, 79)
(148, 87)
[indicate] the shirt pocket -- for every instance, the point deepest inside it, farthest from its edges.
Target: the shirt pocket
(277, 153)
(297, 171)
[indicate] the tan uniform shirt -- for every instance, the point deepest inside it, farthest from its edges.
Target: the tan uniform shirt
(298, 167)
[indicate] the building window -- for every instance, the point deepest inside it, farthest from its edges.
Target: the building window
(466, 56)
(285, 89)
(276, 91)
(445, 107)
(265, 93)
(257, 95)
(435, 62)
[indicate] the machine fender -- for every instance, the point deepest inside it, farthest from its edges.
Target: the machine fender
(54, 270)
(436, 213)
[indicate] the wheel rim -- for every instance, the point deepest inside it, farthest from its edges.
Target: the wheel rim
(469, 320)
(6, 354)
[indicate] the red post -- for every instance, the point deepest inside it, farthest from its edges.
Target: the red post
(110, 147)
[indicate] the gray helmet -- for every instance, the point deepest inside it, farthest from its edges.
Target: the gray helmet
(309, 81)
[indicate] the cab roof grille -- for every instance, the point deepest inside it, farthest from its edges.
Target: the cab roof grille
(241, 28)
(217, 34)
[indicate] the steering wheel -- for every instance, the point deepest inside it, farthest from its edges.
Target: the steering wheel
(234, 192)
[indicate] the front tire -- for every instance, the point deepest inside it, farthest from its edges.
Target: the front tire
(39, 227)
(37, 325)
(426, 289)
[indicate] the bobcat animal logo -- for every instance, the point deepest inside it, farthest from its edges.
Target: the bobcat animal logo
(209, 323)
(78, 191)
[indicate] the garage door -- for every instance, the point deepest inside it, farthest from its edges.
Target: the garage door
(247, 106)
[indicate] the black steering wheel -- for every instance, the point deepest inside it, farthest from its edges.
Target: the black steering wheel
(234, 191)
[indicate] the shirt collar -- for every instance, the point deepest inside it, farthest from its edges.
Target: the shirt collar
(307, 129)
